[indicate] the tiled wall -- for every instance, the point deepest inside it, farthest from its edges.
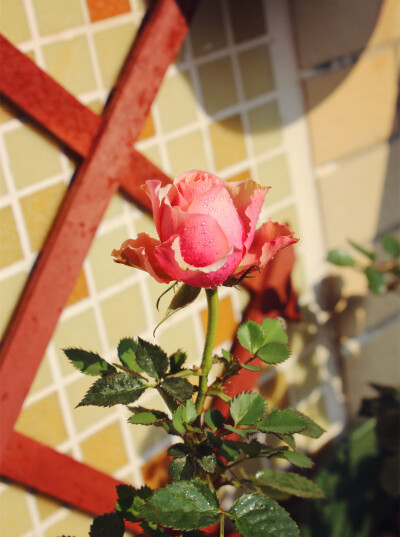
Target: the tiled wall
(232, 104)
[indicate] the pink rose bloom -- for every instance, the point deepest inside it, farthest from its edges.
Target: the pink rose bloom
(207, 231)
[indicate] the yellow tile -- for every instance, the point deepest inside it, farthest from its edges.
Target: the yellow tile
(53, 16)
(387, 28)
(361, 197)
(187, 153)
(79, 291)
(105, 449)
(123, 314)
(227, 324)
(7, 111)
(10, 291)
(100, 9)
(256, 71)
(74, 523)
(248, 20)
(14, 513)
(41, 155)
(85, 416)
(352, 108)
(43, 421)
(265, 127)
(242, 176)
(46, 506)
(176, 102)
(3, 187)
(148, 128)
(13, 21)
(288, 216)
(10, 248)
(112, 47)
(70, 64)
(217, 84)
(274, 172)
(275, 391)
(207, 32)
(186, 341)
(228, 142)
(306, 376)
(42, 378)
(39, 210)
(78, 331)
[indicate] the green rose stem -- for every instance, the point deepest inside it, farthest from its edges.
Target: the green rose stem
(206, 362)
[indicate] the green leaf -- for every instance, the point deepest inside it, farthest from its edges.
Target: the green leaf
(180, 389)
(227, 355)
(120, 388)
(182, 468)
(185, 295)
(89, 363)
(391, 246)
(247, 408)
(288, 439)
(257, 516)
(214, 419)
(106, 525)
(341, 257)
(148, 417)
(296, 458)
(291, 483)
(177, 420)
(274, 353)
(127, 354)
(313, 430)
(251, 336)
(178, 450)
(152, 359)
(274, 331)
(282, 421)
(189, 413)
(183, 505)
(376, 280)
(251, 367)
(131, 501)
(368, 253)
(176, 361)
(240, 432)
(205, 456)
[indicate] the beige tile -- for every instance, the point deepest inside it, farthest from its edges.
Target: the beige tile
(124, 314)
(46, 506)
(145, 224)
(274, 172)
(10, 291)
(3, 187)
(156, 290)
(112, 46)
(217, 84)
(207, 31)
(265, 127)
(275, 391)
(10, 247)
(247, 18)
(288, 216)
(39, 211)
(43, 421)
(360, 198)
(298, 276)
(85, 416)
(105, 449)
(42, 378)
(227, 324)
(145, 437)
(256, 71)
(328, 30)
(317, 411)
(105, 271)
(187, 339)
(14, 513)
(40, 155)
(115, 207)
(152, 152)
(305, 376)
(13, 21)
(176, 101)
(387, 28)
(78, 331)
(69, 63)
(187, 153)
(53, 16)
(227, 140)
(7, 111)
(74, 523)
(352, 108)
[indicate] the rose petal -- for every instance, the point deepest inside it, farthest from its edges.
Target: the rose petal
(170, 258)
(153, 190)
(139, 253)
(218, 204)
(268, 240)
(194, 183)
(248, 198)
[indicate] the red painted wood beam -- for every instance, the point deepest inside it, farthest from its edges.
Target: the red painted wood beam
(96, 181)
(41, 97)
(50, 472)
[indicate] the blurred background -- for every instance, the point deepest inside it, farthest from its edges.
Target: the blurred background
(300, 95)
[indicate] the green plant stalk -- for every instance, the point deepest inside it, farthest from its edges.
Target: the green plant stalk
(212, 325)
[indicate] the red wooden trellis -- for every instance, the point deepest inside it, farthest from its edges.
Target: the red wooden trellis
(110, 162)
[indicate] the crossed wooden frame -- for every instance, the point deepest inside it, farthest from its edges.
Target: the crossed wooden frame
(109, 162)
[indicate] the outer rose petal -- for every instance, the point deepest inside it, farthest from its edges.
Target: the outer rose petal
(268, 240)
(248, 198)
(152, 189)
(170, 259)
(194, 183)
(139, 253)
